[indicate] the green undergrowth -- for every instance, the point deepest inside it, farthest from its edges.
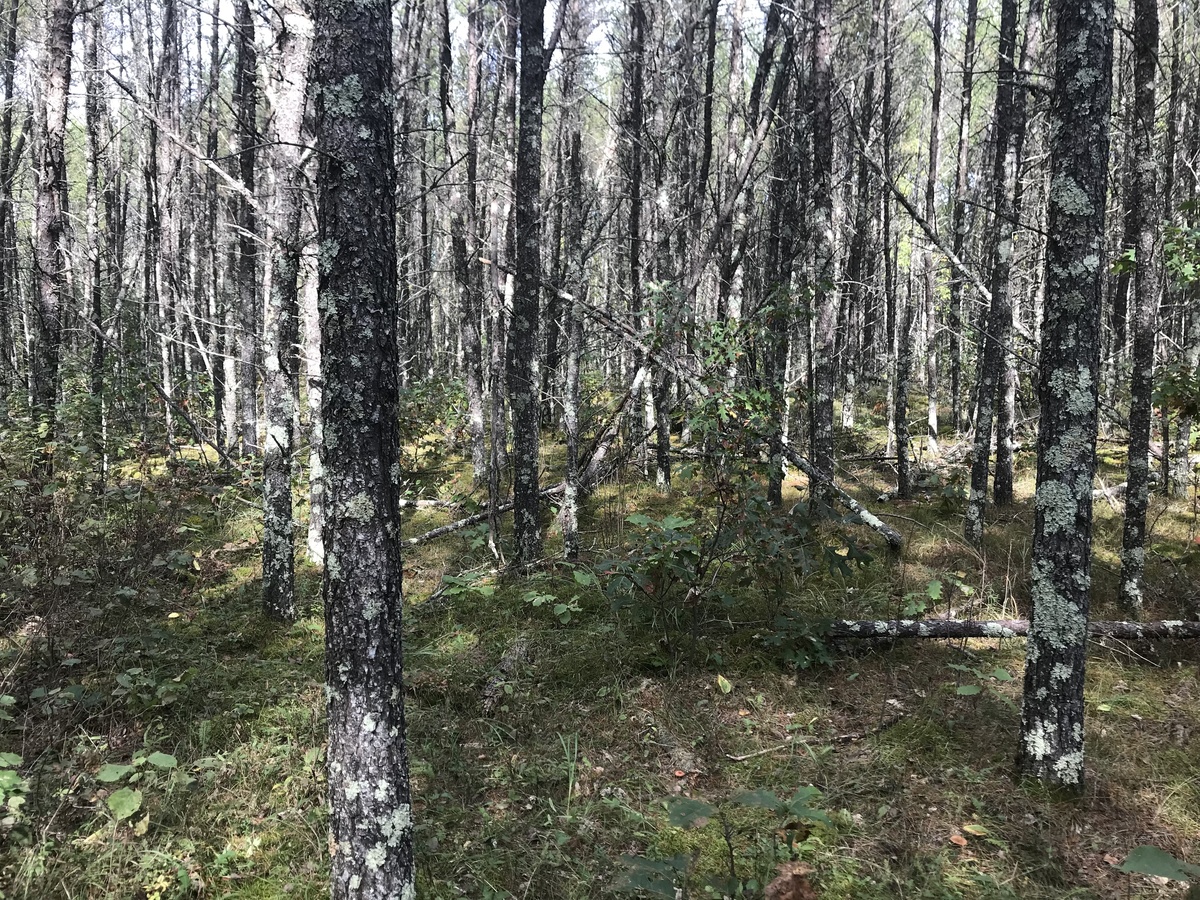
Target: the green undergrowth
(552, 739)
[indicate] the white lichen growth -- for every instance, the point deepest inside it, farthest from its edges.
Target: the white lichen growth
(376, 857)
(360, 507)
(398, 822)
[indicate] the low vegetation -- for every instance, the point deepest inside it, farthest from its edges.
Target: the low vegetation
(665, 715)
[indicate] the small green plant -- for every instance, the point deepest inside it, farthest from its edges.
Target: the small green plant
(978, 681)
(672, 877)
(149, 770)
(12, 791)
(564, 610)
(466, 585)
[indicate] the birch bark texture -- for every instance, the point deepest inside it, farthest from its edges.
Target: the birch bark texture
(281, 314)
(1052, 736)
(369, 799)
(50, 199)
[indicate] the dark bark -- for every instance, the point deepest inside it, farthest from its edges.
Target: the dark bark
(245, 98)
(1144, 215)
(904, 486)
(166, 191)
(370, 806)
(930, 273)
(825, 296)
(633, 127)
(8, 235)
(94, 270)
(1052, 727)
(523, 338)
(281, 314)
(464, 228)
(1006, 397)
(998, 321)
(959, 214)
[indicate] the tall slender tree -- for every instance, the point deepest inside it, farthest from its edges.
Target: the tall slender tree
(523, 341)
(927, 264)
(281, 313)
(1145, 215)
(1052, 727)
(997, 322)
(50, 198)
(825, 296)
(245, 98)
(369, 797)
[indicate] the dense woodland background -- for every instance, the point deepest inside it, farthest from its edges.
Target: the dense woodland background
(685, 345)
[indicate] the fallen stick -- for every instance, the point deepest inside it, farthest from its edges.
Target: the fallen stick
(894, 539)
(1004, 628)
(472, 520)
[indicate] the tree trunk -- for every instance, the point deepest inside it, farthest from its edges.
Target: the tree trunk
(8, 235)
(281, 313)
(959, 215)
(246, 110)
(1006, 399)
(369, 798)
(573, 48)
(930, 271)
(998, 321)
(1144, 215)
(1052, 727)
(95, 300)
(50, 231)
(464, 228)
(825, 291)
(523, 342)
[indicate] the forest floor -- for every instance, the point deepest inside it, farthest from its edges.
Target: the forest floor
(171, 739)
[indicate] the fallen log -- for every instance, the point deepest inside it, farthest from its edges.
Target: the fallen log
(894, 539)
(885, 629)
(473, 520)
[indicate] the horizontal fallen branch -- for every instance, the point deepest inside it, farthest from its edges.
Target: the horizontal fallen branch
(472, 520)
(1003, 628)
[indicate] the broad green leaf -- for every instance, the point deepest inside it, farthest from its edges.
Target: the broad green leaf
(969, 690)
(11, 760)
(1147, 860)
(760, 798)
(162, 760)
(934, 590)
(724, 684)
(1001, 674)
(124, 803)
(112, 772)
(684, 812)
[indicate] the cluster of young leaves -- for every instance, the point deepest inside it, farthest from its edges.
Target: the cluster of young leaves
(1178, 389)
